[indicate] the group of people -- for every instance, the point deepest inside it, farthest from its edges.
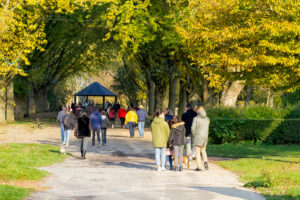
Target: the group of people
(169, 135)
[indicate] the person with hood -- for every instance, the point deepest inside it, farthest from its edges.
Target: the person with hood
(142, 115)
(104, 126)
(160, 134)
(177, 141)
(96, 123)
(69, 124)
(131, 120)
(82, 131)
(200, 130)
(187, 118)
(60, 116)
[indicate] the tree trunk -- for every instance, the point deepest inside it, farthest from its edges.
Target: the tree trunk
(182, 99)
(207, 94)
(151, 97)
(270, 100)
(248, 95)
(172, 91)
(230, 94)
(10, 101)
(41, 101)
(2, 100)
(157, 99)
(31, 102)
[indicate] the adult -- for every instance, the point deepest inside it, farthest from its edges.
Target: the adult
(187, 118)
(90, 109)
(104, 127)
(60, 116)
(142, 115)
(200, 129)
(177, 141)
(112, 116)
(69, 124)
(116, 106)
(131, 121)
(96, 123)
(160, 134)
(122, 115)
(83, 131)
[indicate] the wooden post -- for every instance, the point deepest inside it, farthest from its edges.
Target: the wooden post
(75, 99)
(116, 99)
(103, 101)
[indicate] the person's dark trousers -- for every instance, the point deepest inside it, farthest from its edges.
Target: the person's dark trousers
(98, 136)
(122, 122)
(131, 126)
(169, 157)
(103, 134)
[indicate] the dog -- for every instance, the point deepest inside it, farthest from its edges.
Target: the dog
(62, 150)
(185, 160)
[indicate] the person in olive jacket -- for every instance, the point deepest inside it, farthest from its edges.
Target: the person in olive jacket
(200, 128)
(160, 134)
(177, 140)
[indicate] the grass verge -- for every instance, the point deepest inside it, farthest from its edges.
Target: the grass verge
(273, 170)
(19, 162)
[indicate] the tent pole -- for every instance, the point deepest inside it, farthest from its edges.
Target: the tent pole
(103, 101)
(116, 99)
(74, 99)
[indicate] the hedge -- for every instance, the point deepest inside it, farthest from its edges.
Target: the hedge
(260, 123)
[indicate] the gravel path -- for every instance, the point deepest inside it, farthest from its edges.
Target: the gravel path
(124, 169)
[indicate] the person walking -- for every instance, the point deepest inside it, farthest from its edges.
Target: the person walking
(112, 116)
(130, 121)
(142, 115)
(168, 115)
(177, 141)
(160, 134)
(96, 123)
(60, 116)
(69, 124)
(83, 131)
(104, 127)
(122, 115)
(187, 118)
(200, 130)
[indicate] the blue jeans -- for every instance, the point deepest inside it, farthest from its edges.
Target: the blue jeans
(141, 128)
(131, 126)
(66, 136)
(160, 156)
(62, 132)
(94, 135)
(103, 134)
(169, 157)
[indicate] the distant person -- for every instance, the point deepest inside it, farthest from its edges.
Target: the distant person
(60, 116)
(131, 121)
(142, 115)
(116, 106)
(104, 127)
(83, 131)
(187, 118)
(96, 123)
(177, 140)
(122, 115)
(89, 109)
(200, 130)
(160, 133)
(112, 116)
(169, 152)
(69, 124)
(168, 115)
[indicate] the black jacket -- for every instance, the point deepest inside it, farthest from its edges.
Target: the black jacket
(83, 127)
(187, 118)
(177, 134)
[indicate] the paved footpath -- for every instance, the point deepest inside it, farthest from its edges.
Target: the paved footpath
(125, 169)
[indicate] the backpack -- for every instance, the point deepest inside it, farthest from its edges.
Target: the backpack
(68, 122)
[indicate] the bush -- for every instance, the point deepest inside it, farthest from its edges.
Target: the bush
(259, 123)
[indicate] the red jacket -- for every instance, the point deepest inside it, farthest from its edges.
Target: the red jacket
(122, 113)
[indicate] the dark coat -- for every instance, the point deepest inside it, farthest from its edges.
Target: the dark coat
(83, 127)
(187, 118)
(68, 122)
(177, 134)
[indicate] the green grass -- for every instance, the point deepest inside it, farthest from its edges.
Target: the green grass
(20, 162)
(274, 170)
(8, 192)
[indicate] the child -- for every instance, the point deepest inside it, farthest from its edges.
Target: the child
(169, 154)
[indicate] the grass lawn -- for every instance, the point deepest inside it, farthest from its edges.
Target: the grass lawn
(274, 170)
(20, 161)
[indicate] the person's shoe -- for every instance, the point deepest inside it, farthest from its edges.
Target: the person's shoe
(180, 168)
(163, 168)
(67, 145)
(171, 168)
(159, 168)
(197, 170)
(81, 154)
(206, 165)
(176, 169)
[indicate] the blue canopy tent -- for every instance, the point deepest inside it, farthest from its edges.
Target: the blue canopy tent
(95, 89)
